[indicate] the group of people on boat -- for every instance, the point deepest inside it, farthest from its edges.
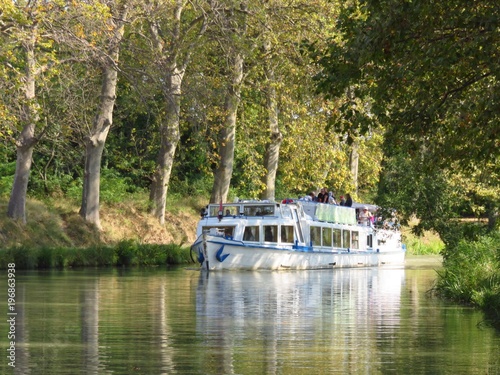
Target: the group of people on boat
(325, 196)
(363, 215)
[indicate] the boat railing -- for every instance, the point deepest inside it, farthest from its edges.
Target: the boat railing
(330, 213)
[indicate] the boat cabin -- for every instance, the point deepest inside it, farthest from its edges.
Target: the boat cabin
(305, 226)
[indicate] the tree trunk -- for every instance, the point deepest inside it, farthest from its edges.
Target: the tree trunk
(492, 213)
(169, 136)
(17, 203)
(227, 135)
(27, 140)
(353, 165)
(95, 146)
(271, 157)
(89, 209)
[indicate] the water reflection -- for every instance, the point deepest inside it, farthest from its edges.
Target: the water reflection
(90, 328)
(329, 316)
(22, 335)
(153, 321)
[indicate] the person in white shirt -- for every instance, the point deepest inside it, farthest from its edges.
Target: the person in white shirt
(365, 216)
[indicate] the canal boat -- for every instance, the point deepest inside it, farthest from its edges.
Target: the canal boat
(294, 235)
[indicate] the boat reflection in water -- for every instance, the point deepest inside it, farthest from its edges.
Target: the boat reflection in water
(266, 321)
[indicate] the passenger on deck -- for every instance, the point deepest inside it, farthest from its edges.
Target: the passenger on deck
(322, 196)
(348, 200)
(365, 216)
(331, 198)
(342, 201)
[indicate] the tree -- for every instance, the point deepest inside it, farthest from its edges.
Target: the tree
(278, 95)
(24, 25)
(272, 148)
(174, 30)
(431, 71)
(95, 142)
(233, 25)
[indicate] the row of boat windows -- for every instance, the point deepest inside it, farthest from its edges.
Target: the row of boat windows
(320, 236)
(250, 210)
(330, 237)
(271, 233)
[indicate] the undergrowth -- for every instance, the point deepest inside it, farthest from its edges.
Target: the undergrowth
(471, 275)
(125, 253)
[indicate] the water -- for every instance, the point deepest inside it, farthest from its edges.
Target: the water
(178, 321)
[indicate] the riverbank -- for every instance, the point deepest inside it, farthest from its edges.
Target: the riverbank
(55, 222)
(423, 261)
(471, 275)
(56, 236)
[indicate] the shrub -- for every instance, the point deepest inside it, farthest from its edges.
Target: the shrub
(126, 252)
(152, 254)
(7, 171)
(60, 257)
(45, 258)
(25, 258)
(471, 274)
(6, 257)
(176, 254)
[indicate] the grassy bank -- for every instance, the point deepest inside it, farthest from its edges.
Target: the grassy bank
(56, 236)
(429, 244)
(125, 253)
(55, 222)
(471, 275)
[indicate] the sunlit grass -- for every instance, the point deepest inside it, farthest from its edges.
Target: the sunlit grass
(471, 275)
(428, 244)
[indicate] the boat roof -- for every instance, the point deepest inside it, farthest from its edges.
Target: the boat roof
(356, 205)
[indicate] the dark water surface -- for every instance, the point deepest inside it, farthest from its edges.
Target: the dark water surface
(178, 321)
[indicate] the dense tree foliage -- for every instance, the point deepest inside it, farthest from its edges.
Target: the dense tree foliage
(410, 87)
(164, 44)
(429, 73)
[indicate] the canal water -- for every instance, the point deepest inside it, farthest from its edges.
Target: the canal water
(181, 321)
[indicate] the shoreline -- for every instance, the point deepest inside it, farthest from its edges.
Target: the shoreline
(423, 261)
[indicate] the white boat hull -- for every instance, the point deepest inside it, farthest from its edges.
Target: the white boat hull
(218, 253)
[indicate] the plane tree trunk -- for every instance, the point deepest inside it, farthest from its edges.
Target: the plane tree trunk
(27, 140)
(353, 165)
(95, 146)
(169, 138)
(96, 140)
(227, 134)
(271, 157)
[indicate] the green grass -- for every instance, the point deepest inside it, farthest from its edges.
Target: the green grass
(125, 253)
(471, 275)
(429, 244)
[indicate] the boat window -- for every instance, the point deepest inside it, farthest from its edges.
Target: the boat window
(227, 210)
(228, 231)
(355, 240)
(270, 233)
(316, 236)
(286, 212)
(251, 234)
(327, 237)
(287, 233)
(337, 238)
(346, 236)
(262, 210)
(369, 240)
